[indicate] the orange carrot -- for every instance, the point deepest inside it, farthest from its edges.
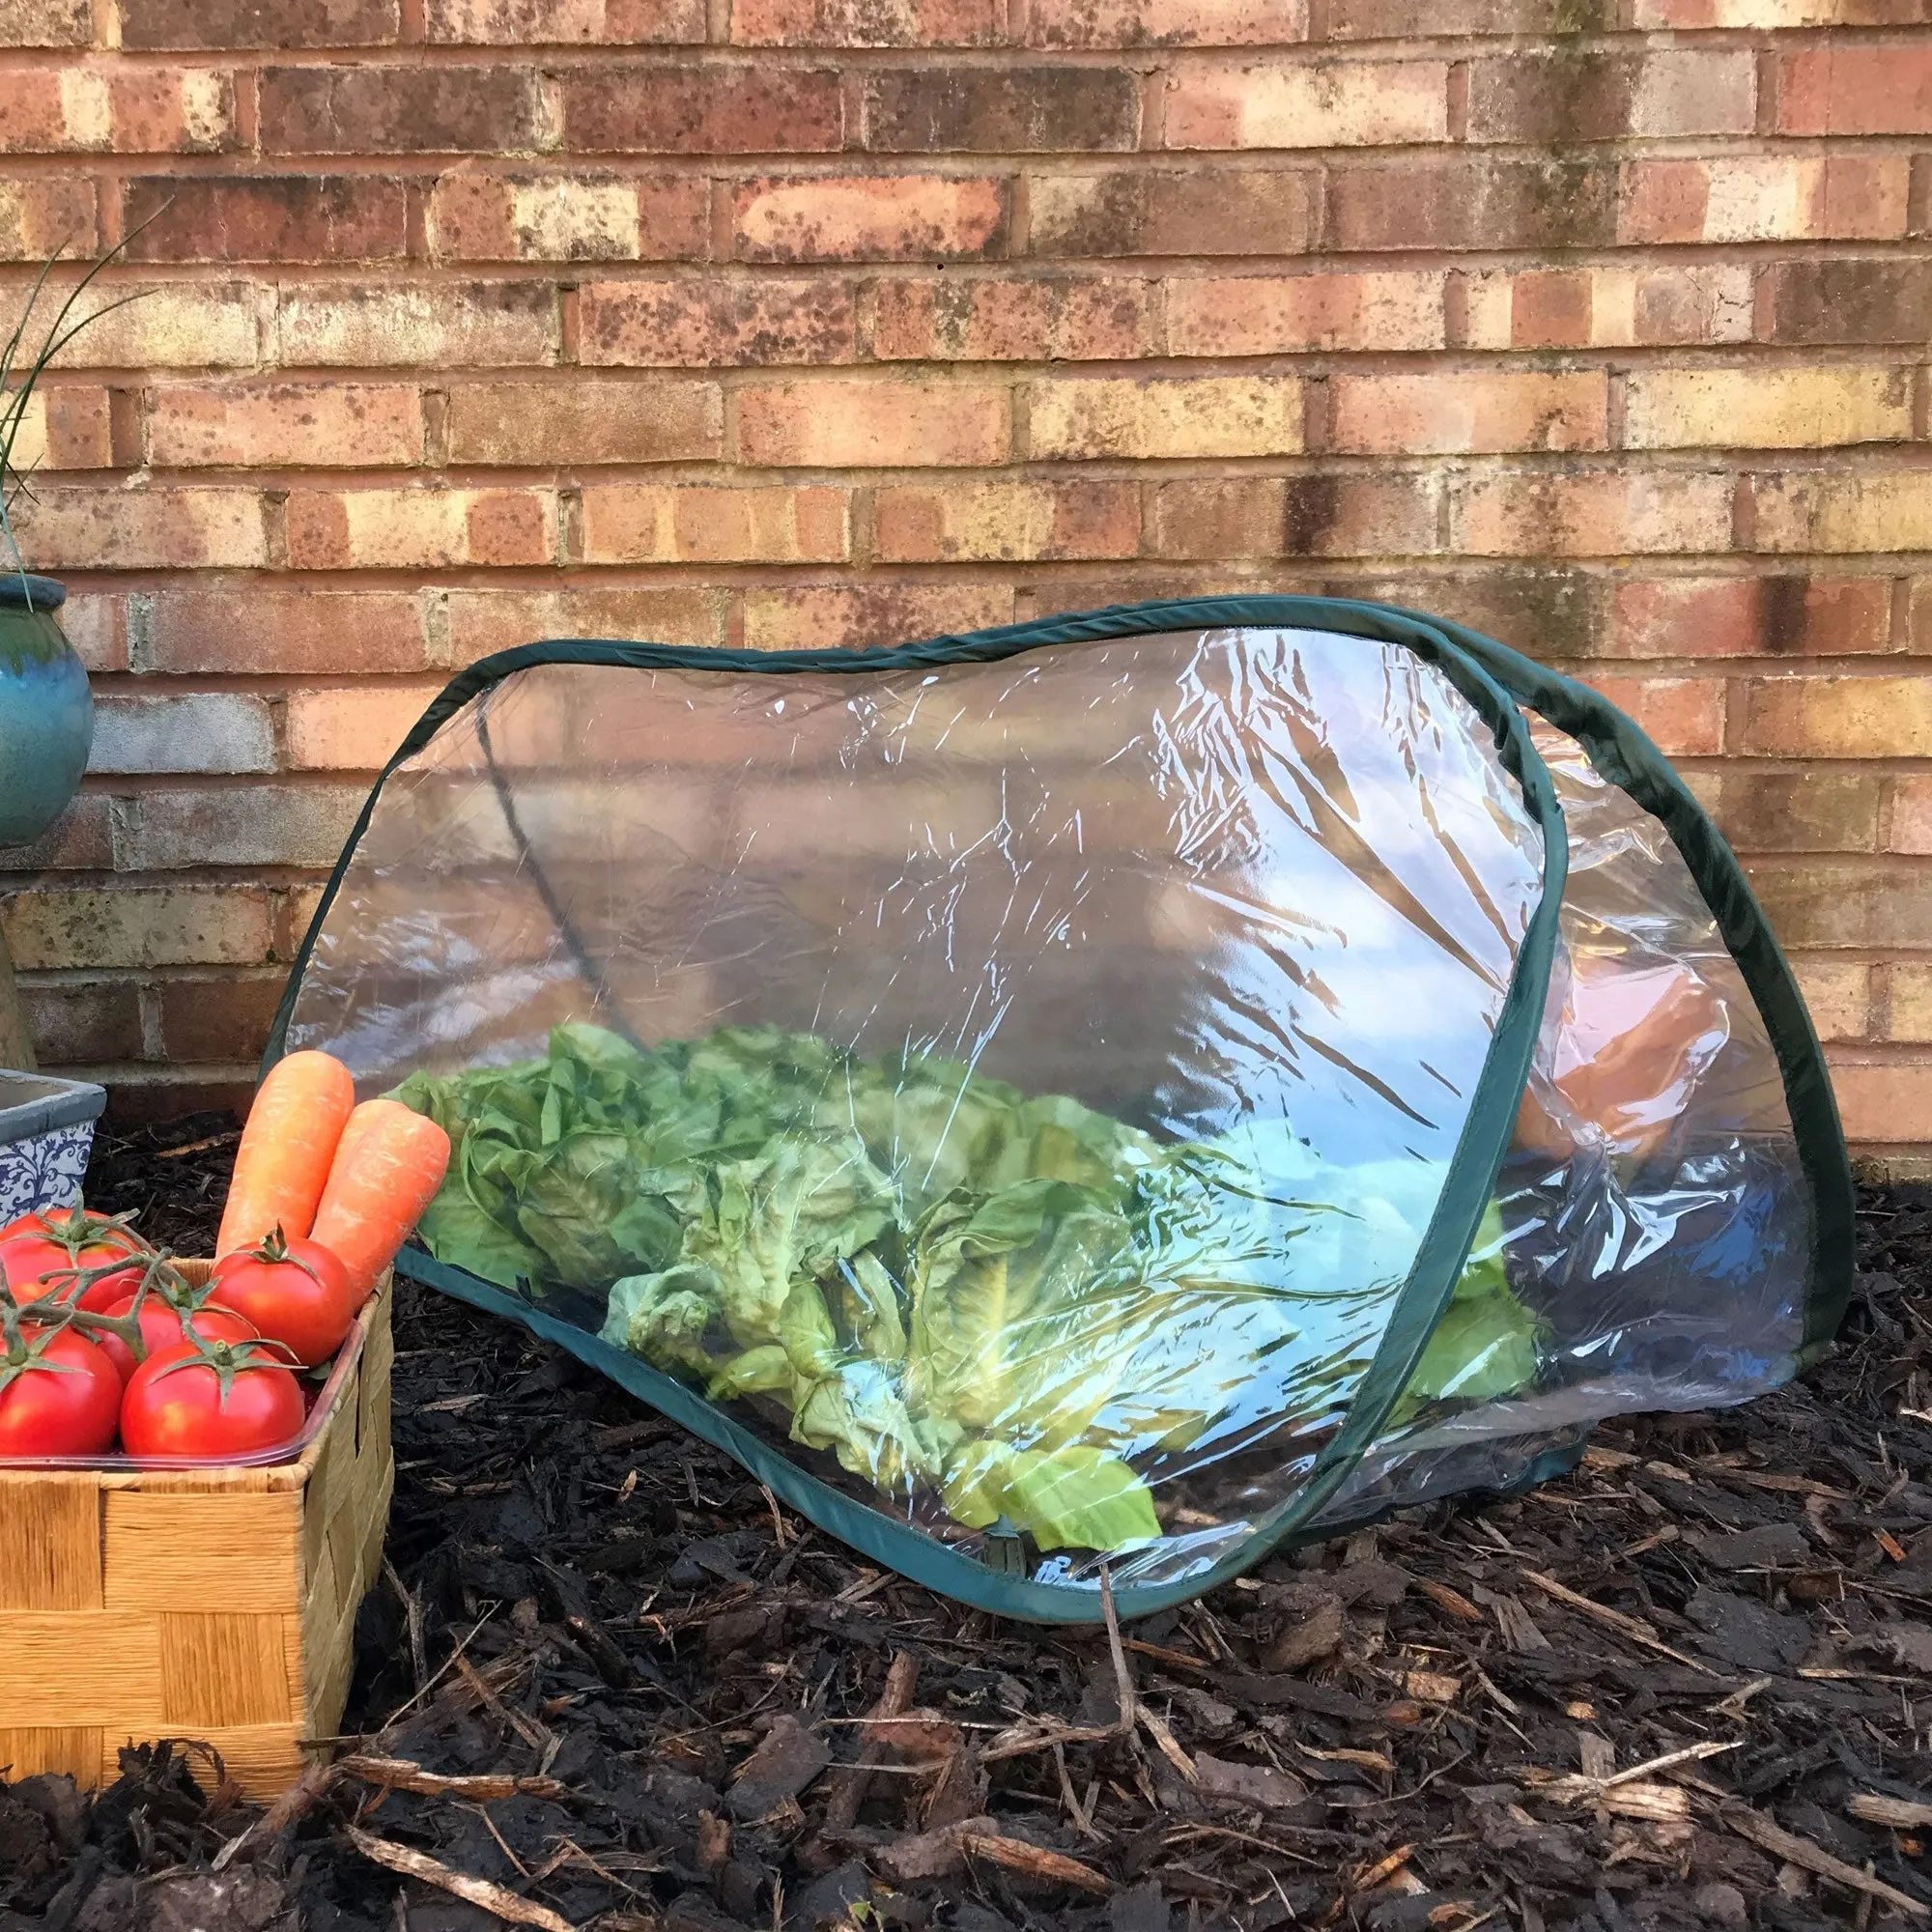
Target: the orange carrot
(388, 1168)
(287, 1150)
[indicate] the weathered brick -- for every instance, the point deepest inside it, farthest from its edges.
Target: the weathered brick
(64, 426)
(524, 24)
(152, 529)
(1590, 514)
(1154, 417)
(275, 425)
(1911, 816)
(853, 424)
(1319, 515)
(1838, 995)
(81, 839)
(1684, 716)
(1838, 717)
(265, 218)
(1454, 413)
(1199, 210)
(82, 1024)
(352, 730)
(259, 23)
(119, 111)
(209, 731)
(584, 420)
(1559, 95)
(245, 627)
(485, 622)
(1749, 617)
(127, 926)
(1459, 204)
(1005, 521)
(900, 218)
(1274, 315)
(224, 1019)
(716, 322)
(1036, 110)
(1405, 19)
(1798, 812)
(1837, 512)
(1551, 612)
(255, 825)
(398, 110)
(648, 107)
(1847, 299)
(1856, 87)
(653, 523)
(1755, 408)
(866, 23)
(1883, 1104)
(817, 618)
(420, 530)
(1041, 318)
(1765, 198)
(569, 218)
(1779, 13)
(41, 215)
(1607, 307)
(422, 325)
(1300, 103)
(46, 23)
(96, 624)
(1165, 23)
(178, 324)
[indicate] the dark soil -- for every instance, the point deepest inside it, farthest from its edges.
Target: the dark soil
(1690, 1686)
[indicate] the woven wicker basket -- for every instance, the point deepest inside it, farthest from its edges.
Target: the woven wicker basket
(217, 1605)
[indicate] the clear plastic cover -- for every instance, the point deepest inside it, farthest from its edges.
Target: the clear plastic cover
(1018, 1090)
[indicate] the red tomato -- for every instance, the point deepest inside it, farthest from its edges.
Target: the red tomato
(161, 1328)
(60, 1395)
(176, 1404)
(294, 1292)
(31, 1259)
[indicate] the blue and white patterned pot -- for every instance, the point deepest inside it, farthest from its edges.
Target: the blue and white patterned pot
(47, 1132)
(46, 710)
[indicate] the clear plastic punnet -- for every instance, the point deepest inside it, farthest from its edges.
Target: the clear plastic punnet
(1101, 1099)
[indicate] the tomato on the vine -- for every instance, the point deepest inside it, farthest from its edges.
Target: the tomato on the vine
(58, 1394)
(294, 1291)
(213, 1401)
(42, 1254)
(161, 1329)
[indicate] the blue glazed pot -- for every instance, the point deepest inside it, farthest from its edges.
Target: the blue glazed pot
(46, 710)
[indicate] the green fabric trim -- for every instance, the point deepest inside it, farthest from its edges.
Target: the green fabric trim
(1486, 674)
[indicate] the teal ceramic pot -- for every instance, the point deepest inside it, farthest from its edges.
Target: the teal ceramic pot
(46, 710)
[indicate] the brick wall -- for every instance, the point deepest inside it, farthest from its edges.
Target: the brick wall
(1599, 323)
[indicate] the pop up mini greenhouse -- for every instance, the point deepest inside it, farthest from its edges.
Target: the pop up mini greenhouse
(1117, 1093)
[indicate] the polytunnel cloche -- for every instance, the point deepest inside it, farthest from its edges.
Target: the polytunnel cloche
(1108, 1097)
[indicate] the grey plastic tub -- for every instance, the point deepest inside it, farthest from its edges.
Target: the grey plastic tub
(47, 1132)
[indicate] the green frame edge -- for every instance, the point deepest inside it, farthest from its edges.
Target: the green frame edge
(1495, 680)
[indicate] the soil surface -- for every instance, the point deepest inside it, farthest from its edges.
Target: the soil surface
(609, 1682)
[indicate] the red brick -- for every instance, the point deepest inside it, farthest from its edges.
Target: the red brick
(716, 322)
(1408, 19)
(1607, 307)
(1199, 210)
(39, 215)
(155, 529)
(1809, 717)
(1001, 111)
(1560, 95)
(651, 523)
(527, 23)
(575, 217)
(120, 111)
(1005, 521)
(1446, 413)
(1848, 299)
(1884, 1104)
(1165, 23)
(356, 729)
(81, 839)
(1683, 716)
(420, 530)
(484, 621)
(1911, 816)
(411, 324)
(46, 23)
(1590, 513)
(850, 424)
(648, 107)
(900, 218)
(206, 625)
(867, 23)
(1472, 204)
(816, 618)
(272, 218)
(1043, 319)
(342, 426)
(174, 325)
(1857, 87)
(396, 110)
(64, 426)
(1347, 514)
(259, 23)
(1083, 417)
(1274, 315)
(226, 1019)
(1798, 812)
(584, 420)
(1779, 13)
(1765, 198)
(96, 624)
(122, 927)
(1300, 103)
(249, 826)
(79, 1025)
(1749, 616)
